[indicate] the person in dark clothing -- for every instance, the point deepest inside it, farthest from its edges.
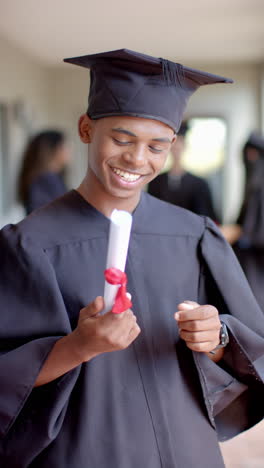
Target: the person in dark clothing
(41, 177)
(249, 247)
(148, 387)
(253, 157)
(181, 187)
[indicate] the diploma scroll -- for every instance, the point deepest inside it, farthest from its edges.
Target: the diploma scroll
(118, 242)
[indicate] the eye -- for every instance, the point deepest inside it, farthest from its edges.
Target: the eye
(121, 142)
(155, 149)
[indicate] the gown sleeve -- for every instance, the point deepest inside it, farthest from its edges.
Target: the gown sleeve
(233, 388)
(33, 317)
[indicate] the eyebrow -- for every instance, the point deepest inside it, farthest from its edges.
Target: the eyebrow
(127, 132)
(162, 140)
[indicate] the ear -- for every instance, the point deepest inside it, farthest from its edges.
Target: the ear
(174, 139)
(85, 126)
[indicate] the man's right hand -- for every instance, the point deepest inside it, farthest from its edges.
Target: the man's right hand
(96, 334)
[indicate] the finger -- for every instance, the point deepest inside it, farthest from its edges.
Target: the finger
(121, 316)
(125, 332)
(213, 323)
(199, 313)
(127, 339)
(94, 308)
(98, 304)
(134, 332)
(120, 324)
(200, 337)
(129, 328)
(204, 347)
(128, 321)
(187, 305)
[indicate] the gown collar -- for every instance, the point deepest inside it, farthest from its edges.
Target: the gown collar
(86, 208)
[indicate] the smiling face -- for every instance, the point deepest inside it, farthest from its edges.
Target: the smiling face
(125, 153)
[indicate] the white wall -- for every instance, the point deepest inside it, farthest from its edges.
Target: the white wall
(24, 81)
(57, 97)
(69, 93)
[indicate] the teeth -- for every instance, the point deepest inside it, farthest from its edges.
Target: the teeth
(128, 176)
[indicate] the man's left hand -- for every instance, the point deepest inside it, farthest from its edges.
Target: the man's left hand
(199, 326)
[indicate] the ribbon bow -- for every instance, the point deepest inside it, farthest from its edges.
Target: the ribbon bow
(122, 302)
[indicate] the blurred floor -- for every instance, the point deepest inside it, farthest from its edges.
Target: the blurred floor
(245, 450)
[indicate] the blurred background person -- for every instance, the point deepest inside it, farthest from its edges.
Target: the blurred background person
(253, 157)
(41, 177)
(180, 187)
(247, 235)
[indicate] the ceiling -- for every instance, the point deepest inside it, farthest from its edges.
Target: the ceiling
(198, 31)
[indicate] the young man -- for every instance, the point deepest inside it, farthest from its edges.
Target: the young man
(148, 387)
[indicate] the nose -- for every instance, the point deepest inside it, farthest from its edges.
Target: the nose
(135, 157)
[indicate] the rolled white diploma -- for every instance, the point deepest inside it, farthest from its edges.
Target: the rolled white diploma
(118, 242)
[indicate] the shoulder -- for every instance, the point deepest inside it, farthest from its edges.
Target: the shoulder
(65, 220)
(163, 218)
(194, 179)
(45, 179)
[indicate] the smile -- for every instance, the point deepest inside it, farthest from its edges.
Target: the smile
(127, 176)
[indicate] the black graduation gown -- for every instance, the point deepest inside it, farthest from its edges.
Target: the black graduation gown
(45, 188)
(190, 192)
(155, 404)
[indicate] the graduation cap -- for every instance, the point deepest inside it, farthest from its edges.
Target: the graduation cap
(124, 82)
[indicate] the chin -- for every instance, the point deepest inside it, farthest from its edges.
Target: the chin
(123, 193)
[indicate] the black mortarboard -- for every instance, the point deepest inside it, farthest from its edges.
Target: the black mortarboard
(124, 82)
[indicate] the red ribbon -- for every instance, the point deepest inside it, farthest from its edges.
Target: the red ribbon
(116, 276)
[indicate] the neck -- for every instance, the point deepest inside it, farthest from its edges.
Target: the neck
(177, 169)
(95, 194)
